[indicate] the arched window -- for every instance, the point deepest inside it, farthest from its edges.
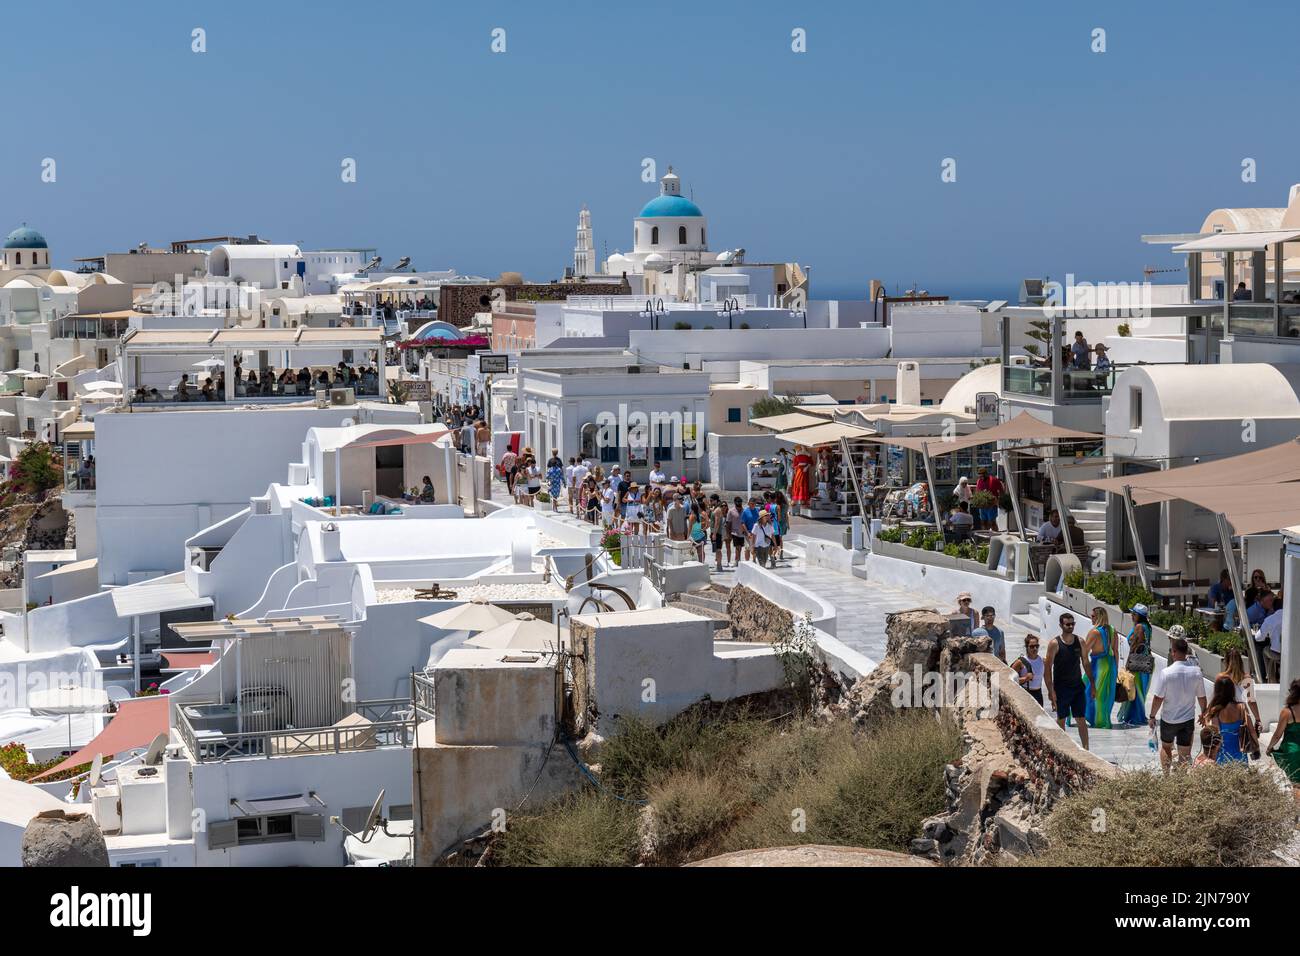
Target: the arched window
(654, 236)
(19, 258)
(681, 235)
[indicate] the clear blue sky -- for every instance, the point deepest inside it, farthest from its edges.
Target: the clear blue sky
(480, 161)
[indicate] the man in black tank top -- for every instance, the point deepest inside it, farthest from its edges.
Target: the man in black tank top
(1064, 674)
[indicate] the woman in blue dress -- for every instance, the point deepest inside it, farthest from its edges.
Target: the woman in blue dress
(555, 480)
(1227, 717)
(1133, 712)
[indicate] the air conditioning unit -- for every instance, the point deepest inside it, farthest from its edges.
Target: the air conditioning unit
(343, 396)
(322, 398)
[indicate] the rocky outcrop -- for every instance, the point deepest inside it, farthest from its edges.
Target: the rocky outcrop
(59, 838)
(1017, 764)
(918, 645)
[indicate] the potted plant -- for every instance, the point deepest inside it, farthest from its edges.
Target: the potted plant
(613, 543)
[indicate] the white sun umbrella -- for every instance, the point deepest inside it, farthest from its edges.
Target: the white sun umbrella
(5, 414)
(99, 397)
(68, 699)
(20, 372)
(524, 633)
(475, 615)
(209, 363)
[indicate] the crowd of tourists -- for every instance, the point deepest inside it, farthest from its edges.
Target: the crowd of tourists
(1087, 676)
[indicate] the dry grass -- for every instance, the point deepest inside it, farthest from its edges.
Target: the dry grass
(587, 829)
(716, 785)
(1206, 816)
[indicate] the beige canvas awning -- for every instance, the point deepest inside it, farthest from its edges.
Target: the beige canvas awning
(1277, 463)
(825, 434)
(1250, 510)
(1024, 427)
(1238, 241)
(783, 423)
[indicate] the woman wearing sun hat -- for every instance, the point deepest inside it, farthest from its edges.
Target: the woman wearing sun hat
(1140, 663)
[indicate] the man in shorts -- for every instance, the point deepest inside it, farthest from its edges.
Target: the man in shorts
(1065, 673)
(736, 530)
(1176, 693)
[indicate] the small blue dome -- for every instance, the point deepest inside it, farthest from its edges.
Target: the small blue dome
(25, 238)
(669, 207)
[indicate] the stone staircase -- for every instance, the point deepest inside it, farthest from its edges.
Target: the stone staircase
(1090, 515)
(710, 602)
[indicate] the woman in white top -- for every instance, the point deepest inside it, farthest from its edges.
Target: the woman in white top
(534, 479)
(607, 503)
(963, 489)
(632, 507)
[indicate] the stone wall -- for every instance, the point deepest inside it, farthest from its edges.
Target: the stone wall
(458, 304)
(1016, 762)
(756, 619)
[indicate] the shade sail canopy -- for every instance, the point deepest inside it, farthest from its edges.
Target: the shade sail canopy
(71, 699)
(524, 633)
(783, 423)
(1238, 241)
(825, 434)
(1277, 463)
(476, 615)
(427, 438)
(74, 567)
(150, 598)
(79, 431)
(134, 727)
(1024, 427)
(101, 385)
(1250, 510)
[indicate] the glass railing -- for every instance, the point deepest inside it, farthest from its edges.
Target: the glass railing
(1253, 319)
(1027, 380)
(1289, 324)
(1088, 383)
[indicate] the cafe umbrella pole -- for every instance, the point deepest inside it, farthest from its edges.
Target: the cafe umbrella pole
(1139, 550)
(1239, 595)
(929, 478)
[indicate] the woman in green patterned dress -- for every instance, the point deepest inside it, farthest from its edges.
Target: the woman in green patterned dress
(1103, 655)
(1285, 745)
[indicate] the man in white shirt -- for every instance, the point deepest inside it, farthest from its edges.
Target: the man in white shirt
(657, 476)
(1177, 691)
(616, 479)
(1271, 631)
(1049, 531)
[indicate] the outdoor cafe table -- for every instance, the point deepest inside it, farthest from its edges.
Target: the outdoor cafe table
(1180, 594)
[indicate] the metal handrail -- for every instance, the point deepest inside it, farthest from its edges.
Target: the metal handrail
(389, 732)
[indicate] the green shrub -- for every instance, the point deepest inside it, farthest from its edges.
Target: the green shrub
(1112, 589)
(1213, 815)
(983, 499)
(640, 755)
(681, 326)
(893, 534)
(870, 789)
(689, 810)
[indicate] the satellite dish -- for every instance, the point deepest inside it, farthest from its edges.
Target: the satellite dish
(154, 754)
(95, 766)
(372, 818)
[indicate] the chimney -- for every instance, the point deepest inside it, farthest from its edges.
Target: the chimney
(331, 542)
(908, 388)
